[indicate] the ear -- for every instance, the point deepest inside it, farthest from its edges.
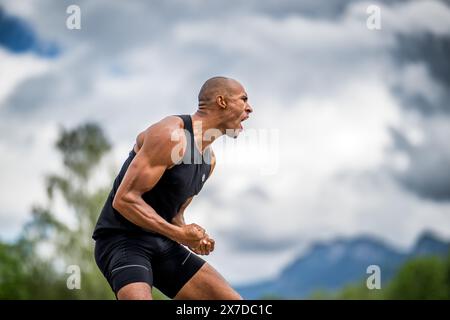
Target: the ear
(220, 100)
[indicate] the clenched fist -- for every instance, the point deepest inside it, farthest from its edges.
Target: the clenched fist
(191, 235)
(205, 247)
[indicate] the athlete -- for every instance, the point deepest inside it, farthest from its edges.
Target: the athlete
(141, 238)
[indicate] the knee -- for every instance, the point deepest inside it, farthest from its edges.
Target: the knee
(135, 291)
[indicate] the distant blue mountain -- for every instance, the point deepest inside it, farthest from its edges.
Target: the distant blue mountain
(332, 265)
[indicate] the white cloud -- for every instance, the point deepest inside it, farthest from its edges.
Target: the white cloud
(15, 69)
(24, 162)
(417, 17)
(321, 137)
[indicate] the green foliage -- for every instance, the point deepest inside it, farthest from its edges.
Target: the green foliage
(27, 273)
(422, 278)
(24, 276)
(419, 279)
(82, 148)
(359, 292)
(12, 273)
(321, 294)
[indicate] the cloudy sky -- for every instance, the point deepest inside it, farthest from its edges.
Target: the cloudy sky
(349, 134)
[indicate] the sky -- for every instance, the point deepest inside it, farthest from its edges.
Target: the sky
(348, 136)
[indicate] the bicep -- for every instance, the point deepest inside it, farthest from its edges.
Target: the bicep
(141, 176)
(149, 164)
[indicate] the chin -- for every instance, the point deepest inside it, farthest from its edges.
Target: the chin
(233, 133)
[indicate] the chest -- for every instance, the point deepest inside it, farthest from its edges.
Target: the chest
(185, 180)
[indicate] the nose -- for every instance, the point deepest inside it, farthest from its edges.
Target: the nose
(249, 108)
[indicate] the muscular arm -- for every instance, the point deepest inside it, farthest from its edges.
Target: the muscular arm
(147, 167)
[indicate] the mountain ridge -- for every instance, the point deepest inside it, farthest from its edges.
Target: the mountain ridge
(331, 265)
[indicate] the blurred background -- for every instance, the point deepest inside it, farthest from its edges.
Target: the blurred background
(360, 121)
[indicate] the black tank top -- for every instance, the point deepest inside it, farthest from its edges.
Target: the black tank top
(176, 185)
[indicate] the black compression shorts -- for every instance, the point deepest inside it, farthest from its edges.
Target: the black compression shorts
(125, 258)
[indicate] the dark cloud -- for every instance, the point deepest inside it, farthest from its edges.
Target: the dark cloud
(428, 170)
(18, 36)
(329, 9)
(433, 51)
(52, 89)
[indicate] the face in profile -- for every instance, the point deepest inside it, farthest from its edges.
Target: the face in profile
(238, 110)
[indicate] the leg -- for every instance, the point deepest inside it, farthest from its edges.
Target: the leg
(125, 266)
(207, 284)
(135, 291)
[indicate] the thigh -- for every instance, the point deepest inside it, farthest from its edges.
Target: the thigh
(123, 261)
(207, 284)
(173, 267)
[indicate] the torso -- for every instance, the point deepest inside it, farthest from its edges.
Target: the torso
(178, 183)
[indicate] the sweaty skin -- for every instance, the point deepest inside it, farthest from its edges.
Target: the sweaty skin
(223, 106)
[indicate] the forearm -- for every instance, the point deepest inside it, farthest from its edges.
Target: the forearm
(143, 215)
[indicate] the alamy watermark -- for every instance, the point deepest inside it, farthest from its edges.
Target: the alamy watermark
(74, 279)
(374, 280)
(373, 21)
(73, 21)
(255, 148)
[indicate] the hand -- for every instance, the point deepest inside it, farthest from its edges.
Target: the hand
(205, 247)
(191, 235)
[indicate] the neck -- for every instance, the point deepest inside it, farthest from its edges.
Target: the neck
(207, 128)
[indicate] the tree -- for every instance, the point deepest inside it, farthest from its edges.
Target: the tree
(63, 243)
(35, 266)
(422, 279)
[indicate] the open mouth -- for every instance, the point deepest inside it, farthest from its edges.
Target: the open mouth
(240, 124)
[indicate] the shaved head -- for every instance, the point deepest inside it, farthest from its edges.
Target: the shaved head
(214, 87)
(223, 104)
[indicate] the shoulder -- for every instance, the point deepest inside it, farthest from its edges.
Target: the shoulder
(167, 125)
(161, 139)
(164, 131)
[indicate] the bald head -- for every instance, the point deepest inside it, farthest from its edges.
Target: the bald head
(214, 87)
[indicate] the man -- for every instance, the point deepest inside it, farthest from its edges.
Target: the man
(141, 236)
